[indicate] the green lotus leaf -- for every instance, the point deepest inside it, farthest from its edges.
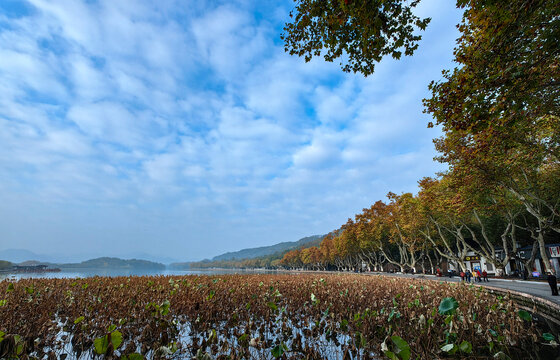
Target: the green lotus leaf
(448, 306)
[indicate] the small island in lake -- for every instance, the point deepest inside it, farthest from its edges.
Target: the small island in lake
(33, 266)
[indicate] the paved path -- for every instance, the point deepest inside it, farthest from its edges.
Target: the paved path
(536, 288)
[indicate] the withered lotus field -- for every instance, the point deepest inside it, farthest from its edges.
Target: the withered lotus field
(311, 316)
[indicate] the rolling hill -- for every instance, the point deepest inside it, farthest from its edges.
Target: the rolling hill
(113, 263)
(252, 253)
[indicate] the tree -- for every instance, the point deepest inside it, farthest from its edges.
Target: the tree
(328, 251)
(292, 259)
(359, 32)
(521, 165)
(406, 222)
(373, 232)
(508, 69)
(499, 109)
(311, 258)
(444, 227)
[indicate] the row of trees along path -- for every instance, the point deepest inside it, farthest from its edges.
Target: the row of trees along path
(498, 110)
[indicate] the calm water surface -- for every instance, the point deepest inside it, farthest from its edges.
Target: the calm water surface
(84, 273)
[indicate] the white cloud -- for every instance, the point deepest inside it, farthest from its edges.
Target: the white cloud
(23, 70)
(89, 83)
(189, 123)
(229, 41)
(107, 121)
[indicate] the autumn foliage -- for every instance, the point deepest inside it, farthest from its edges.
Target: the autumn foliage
(499, 113)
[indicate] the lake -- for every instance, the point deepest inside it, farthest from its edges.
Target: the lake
(85, 273)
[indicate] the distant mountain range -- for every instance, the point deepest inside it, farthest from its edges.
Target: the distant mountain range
(113, 263)
(252, 253)
(98, 263)
(234, 259)
(21, 255)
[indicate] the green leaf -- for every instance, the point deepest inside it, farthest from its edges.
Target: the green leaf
(402, 346)
(116, 339)
(278, 351)
(525, 315)
(101, 345)
(272, 306)
(213, 337)
(492, 332)
(466, 347)
(3, 302)
(133, 356)
(172, 348)
(111, 327)
(165, 307)
(19, 344)
(79, 320)
(548, 337)
(344, 325)
(394, 314)
(10, 287)
(360, 340)
(390, 355)
(243, 340)
(448, 306)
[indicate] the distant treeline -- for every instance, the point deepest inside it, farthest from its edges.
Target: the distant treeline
(114, 263)
(269, 262)
(102, 262)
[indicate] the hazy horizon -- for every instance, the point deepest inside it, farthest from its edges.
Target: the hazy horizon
(22, 255)
(185, 131)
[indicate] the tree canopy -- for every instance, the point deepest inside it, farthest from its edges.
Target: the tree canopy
(508, 67)
(499, 112)
(358, 32)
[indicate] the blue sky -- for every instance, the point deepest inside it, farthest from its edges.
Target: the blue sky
(181, 129)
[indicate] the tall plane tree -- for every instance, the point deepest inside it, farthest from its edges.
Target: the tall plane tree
(357, 32)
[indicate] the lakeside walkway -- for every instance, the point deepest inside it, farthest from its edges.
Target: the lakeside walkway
(536, 288)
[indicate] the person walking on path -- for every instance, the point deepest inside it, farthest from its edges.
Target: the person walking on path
(485, 276)
(553, 283)
(478, 275)
(462, 274)
(468, 274)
